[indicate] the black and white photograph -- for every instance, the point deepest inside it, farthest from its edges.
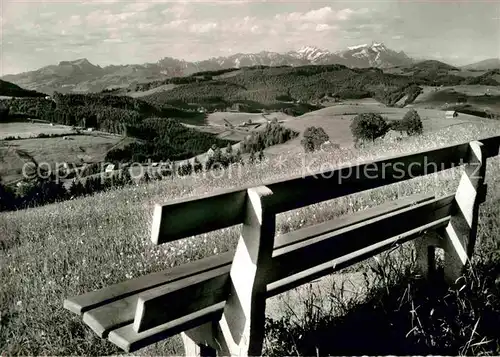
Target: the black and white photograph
(249, 178)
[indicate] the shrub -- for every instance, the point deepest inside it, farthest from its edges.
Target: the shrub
(7, 198)
(273, 134)
(369, 126)
(313, 138)
(4, 113)
(411, 123)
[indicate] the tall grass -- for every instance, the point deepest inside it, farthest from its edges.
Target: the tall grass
(60, 250)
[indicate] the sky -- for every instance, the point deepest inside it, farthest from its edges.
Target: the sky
(36, 33)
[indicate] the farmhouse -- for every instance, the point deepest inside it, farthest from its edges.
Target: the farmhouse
(450, 114)
(110, 168)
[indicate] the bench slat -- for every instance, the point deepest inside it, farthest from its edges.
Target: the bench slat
(306, 254)
(170, 302)
(349, 219)
(111, 316)
(345, 180)
(332, 266)
(191, 216)
(129, 340)
(82, 303)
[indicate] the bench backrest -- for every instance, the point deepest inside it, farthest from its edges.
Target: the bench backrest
(191, 216)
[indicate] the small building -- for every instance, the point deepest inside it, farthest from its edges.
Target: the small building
(236, 107)
(90, 129)
(450, 114)
(110, 168)
(328, 146)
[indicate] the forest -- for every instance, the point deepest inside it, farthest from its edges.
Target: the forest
(101, 111)
(164, 139)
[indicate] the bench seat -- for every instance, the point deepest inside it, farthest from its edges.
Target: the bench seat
(117, 312)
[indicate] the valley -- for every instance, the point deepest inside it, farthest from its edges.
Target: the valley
(224, 107)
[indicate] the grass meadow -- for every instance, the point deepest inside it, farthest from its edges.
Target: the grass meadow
(76, 150)
(60, 250)
(25, 129)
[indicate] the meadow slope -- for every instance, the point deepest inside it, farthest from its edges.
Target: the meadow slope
(59, 250)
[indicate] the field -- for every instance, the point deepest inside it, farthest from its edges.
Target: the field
(336, 119)
(76, 150)
(483, 97)
(28, 130)
(235, 125)
(165, 87)
(64, 249)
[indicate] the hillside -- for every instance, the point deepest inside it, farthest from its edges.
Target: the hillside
(336, 120)
(8, 89)
(476, 100)
(485, 65)
(263, 87)
(30, 130)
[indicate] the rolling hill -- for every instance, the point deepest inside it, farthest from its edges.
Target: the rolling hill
(8, 89)
(278, 88)
(488, 64)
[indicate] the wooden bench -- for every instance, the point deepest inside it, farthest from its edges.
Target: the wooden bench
(218, 303)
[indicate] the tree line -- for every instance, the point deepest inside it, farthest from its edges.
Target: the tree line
(104, 112)
(162, 139)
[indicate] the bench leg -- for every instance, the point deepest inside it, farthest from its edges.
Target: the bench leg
(242, 323)
(460, 234)
(425, 254)
(199, 341)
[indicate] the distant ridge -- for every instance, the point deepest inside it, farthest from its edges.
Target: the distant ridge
(485, 65)
(82, 76)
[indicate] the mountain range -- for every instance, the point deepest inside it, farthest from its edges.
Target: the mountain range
(82, 76)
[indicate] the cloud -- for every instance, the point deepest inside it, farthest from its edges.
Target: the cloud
(325, 27)
(203, 27)
(129, 31)
(138, 7)
(325, 15)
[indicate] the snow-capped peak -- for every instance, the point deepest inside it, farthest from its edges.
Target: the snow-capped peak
(311, 53)
(357, 47)
(307, 49)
